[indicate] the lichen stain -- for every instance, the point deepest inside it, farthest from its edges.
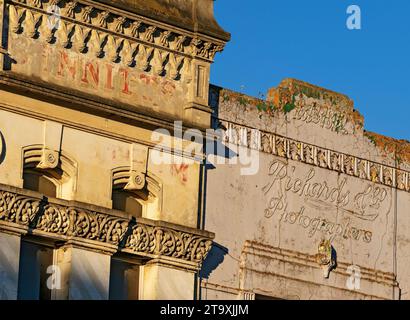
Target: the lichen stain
(399, 149)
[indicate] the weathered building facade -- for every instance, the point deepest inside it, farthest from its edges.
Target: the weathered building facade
(111, 187)
(324, 214)
(90, 208)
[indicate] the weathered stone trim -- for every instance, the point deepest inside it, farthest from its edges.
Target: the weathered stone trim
(68, 221)
(306, 264)
(87, 103)
(241, 294)
(317, 156)
(93, 130)
(205, 284)
(262, 250)
(305, 283)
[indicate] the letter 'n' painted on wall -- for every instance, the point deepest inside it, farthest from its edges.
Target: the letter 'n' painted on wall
(65, 63)
(93, 71)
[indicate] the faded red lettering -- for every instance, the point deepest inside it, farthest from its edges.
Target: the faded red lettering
(94, 71)
(46, 58)
(125, 74)
(108, 83)
(66, 63)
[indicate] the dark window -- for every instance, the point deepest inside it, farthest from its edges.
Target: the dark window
(35, 259)
(36, 181)
(124, 280)
(126, 201)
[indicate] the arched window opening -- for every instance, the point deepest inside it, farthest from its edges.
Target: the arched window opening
(41, 182)
(58, 182)
(127, 201)
(146, 203)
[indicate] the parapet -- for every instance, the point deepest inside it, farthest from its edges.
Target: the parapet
(311, 115)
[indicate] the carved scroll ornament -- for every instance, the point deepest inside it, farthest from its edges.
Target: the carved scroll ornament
(64, 221)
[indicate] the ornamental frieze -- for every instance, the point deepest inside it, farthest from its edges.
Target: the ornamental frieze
(87, 25)
(68, 222)
(170, 243)
(317, 156)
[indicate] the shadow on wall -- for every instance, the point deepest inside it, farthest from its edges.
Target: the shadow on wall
(334, 257)
(217, 148)
(217, 254)
(2, 148)
(6, 271)
(215, 257)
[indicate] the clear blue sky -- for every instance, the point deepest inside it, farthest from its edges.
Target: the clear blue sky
(309, 40)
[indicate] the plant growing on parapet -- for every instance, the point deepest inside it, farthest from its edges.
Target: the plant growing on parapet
(310, 93)
(371, 138)
(288, 107)
(264, 105)
(242, 101)
(395, 148)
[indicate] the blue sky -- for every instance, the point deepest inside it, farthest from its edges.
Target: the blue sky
(309, 40)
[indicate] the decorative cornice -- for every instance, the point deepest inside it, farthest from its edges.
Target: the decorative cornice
(191, 15)
(68, 221)
(87, 103)
(317, 156)
(111, 32)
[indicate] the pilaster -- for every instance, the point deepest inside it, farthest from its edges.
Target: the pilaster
(85, 274)
(165, 282)
(9, 264)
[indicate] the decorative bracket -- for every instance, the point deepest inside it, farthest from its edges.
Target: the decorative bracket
(50, 157)
(138, 172)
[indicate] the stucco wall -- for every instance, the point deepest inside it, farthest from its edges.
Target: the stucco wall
(270, 224)
(95, 157)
